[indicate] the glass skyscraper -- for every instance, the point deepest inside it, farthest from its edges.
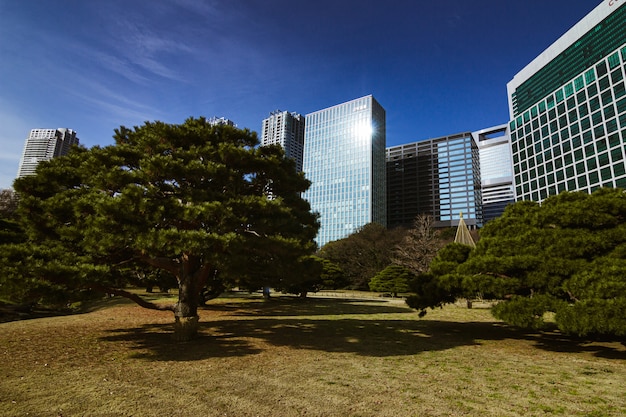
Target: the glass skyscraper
(568, 110)
(344, 158)
(438, 177)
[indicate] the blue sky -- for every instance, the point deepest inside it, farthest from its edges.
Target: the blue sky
(437, 67)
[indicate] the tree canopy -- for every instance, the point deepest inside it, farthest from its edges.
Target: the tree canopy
(363, 254)
(565, 256)
(394, 279)
(10, 231)
(190, 199)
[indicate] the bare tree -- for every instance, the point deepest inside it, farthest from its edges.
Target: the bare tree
(419, 246)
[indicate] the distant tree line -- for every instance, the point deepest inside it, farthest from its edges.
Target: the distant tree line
(562, 261)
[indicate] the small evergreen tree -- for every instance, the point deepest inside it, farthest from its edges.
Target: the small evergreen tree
(394, 279)
(332, 275)
(441, 284)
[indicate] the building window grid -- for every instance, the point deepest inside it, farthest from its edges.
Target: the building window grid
(446, 188)
(348, 201)
(598, 94)
(600, 40)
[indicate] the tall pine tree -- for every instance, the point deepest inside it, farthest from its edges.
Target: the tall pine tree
(190, 199)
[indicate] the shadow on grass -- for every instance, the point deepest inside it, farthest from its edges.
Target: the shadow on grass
(293, 306)
(155, 342)
(299, 327)
(555, 341)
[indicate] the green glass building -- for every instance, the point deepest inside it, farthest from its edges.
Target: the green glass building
(568, 110)
(344, 158)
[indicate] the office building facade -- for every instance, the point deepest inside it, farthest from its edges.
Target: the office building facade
(438, 177)
(568, 110)
(344, 158)
(287, 130)
(43, 145)
(496, 170)
(221, 121)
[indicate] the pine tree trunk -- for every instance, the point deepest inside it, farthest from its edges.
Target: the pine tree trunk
(186, 310)
(185, 328)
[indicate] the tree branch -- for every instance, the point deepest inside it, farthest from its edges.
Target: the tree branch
(493, 274)
(133, 297)
(162, 263)
(201, 275)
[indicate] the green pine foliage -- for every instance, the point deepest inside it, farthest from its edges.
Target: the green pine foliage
(564, 258)
(10, 232)
(393, 279)
(441, 284)
(363, 254)
(527, 312)
(188, 199)
(309, 271)
(332, 275)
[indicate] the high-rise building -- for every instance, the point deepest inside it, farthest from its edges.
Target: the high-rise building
(287, 130)
(221, 121)
(568, 110)
(496, 170)
(43, 145)
(438, 177)
(344, 158)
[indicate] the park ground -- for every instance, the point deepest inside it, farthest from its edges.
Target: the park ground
(292, 357)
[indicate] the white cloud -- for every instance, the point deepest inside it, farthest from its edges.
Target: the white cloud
(111, 62)
(134, 57)
(143, 45)
(121, 110)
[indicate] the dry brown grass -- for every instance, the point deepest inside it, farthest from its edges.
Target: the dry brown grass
(317, 357)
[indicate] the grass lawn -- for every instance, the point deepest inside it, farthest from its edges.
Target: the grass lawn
(315, 357)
